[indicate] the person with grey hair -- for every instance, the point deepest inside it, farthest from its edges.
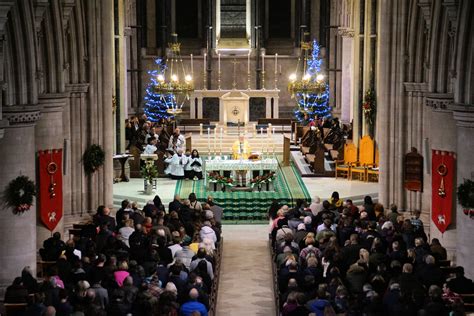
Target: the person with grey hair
(429, 273)
(207, 232)
(316, 206)
(192, 305)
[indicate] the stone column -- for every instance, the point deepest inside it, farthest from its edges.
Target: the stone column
(268, 107)
(383, 98)
(17, 156)
(464, 116)
(199, 113)
(276, 107)
(347, 102)
(107, 140)
(49, 135)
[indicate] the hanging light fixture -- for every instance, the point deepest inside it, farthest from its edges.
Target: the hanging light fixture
(308, 79)
(174, 84)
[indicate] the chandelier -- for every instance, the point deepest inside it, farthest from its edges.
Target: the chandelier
(173, 83)
(307, 84)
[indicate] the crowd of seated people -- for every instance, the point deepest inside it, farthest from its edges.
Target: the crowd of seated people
(140, 262)
(335, 258)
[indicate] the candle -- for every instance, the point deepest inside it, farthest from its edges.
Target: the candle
(215, 139)
(192, 66)
(276, 62)
(222, 136)
(263, 62)
(219, 63)
(205, 55)
(209, 139)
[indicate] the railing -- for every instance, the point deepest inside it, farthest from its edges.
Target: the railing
(215, 282)
(275, 278)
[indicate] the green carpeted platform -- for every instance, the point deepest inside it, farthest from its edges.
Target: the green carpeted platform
(250, 207)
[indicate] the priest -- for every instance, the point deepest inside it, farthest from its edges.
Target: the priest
(241, 148)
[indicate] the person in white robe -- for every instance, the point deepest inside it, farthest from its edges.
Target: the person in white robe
(176, 163)
(177, 141)
(151, 147)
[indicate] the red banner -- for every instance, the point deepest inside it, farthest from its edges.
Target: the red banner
(442, 185)
(51, 187)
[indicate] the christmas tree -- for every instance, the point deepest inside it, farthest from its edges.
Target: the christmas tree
(312, 92)
(156, 104)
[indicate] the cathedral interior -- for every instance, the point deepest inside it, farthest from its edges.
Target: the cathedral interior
(72, 72)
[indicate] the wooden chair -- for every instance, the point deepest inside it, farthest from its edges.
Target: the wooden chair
(374, 169)
(366, 158)
(350, 157)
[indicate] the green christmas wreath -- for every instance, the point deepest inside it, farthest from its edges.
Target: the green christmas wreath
(19, 194)
(93, 158)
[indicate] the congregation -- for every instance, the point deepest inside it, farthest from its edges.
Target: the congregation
(140, 262)
(336, 258)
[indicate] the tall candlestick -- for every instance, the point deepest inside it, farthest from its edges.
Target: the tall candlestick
(263, 62)
(248, 63)
(205, 73)
(276, 62)
(219, 63)
(222, 136)
(215, 140)
(209, 141)
(192, 66)
(263, 139)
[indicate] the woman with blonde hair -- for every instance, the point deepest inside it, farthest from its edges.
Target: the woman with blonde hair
(121, 273)
(126, 231)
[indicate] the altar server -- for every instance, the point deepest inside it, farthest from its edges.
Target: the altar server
(195, 162)
(176, 163)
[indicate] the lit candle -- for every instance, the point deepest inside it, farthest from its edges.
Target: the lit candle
(192, 66)
(263, 62)
(219, 63)
(276, 63)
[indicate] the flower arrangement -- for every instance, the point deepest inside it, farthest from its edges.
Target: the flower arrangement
(93, 158)
(149, 172)
(215, 177)
(369, 108)
(19, 194)
(465, 195)
(266, 178)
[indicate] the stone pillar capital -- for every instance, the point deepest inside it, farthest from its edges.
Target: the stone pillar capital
(53, 102)
(464, 115)
(26, 115)
(77, 88)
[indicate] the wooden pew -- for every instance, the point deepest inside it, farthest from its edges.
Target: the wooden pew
(193, 122)
(282, 122)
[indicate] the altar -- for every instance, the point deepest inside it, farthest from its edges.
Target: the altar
(233, 105)
(241, 170)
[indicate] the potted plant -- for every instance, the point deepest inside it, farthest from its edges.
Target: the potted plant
(149, 172)
(93, 158)
(466, 197)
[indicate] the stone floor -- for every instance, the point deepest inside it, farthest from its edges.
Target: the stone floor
(246, 285)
